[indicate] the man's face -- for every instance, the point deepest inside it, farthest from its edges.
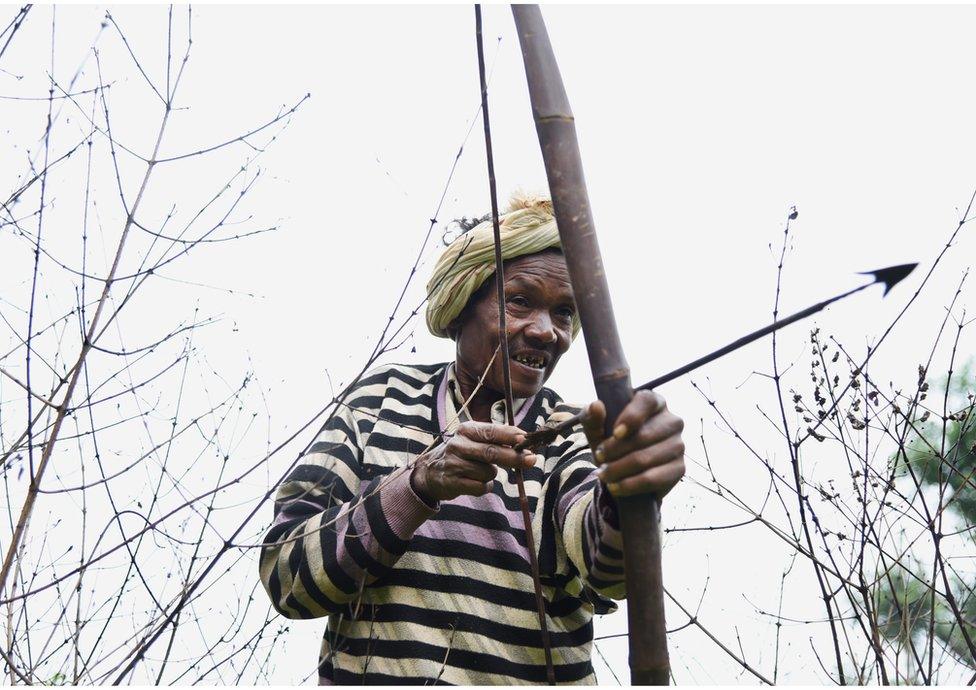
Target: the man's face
(539, 317)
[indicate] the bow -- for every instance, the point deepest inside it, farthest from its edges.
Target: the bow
(639, 520)
(639, 515)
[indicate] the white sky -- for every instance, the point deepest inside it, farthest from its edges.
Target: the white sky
(700, 128)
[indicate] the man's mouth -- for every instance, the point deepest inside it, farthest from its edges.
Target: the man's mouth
(530, 360)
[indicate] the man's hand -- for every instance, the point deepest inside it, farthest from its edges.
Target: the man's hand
(645, 453)
(468, 462)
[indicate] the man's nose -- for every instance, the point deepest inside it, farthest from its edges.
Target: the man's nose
(540, 328)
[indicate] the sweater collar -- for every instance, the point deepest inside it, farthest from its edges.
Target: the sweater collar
(450, 405)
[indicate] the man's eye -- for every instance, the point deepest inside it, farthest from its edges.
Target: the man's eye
(518, 300)
(566, 312)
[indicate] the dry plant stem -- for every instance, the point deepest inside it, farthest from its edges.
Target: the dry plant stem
(12, 27)
(693, 619)
(76, 369)
(76, 656)
(862, 578)
(15, 547)
(37, 176)
(779, 614)
(936, 529)
(871, 629)
(596, 648)
(909, 424)
(179, 400)
(505, 361)
(14, 671)
(794, 448)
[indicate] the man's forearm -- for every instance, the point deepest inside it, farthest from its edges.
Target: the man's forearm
(355, 542)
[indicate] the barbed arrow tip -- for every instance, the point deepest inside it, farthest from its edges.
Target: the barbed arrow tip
(890, 276)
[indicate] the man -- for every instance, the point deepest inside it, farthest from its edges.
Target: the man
(402, 522)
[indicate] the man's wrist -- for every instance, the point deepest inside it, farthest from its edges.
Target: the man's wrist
(418, 489)
(607, 506)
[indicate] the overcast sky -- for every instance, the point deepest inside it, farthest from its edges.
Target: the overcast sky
(700, 128)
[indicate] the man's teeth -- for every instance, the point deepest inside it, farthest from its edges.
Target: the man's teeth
(530, 361)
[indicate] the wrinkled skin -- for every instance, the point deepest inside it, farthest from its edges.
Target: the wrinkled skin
(645, 453)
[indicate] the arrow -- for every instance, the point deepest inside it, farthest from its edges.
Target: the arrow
(889, 277)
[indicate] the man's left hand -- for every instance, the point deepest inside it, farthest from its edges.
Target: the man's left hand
(645, 454)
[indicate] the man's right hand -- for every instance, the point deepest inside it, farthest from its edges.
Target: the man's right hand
(468, 462)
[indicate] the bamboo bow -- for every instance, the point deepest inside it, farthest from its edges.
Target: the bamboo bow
(639, 519)
(639, 515)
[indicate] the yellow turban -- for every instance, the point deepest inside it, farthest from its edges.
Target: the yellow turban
(528, 226)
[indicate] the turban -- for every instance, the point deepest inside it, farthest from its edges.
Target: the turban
(528, 226)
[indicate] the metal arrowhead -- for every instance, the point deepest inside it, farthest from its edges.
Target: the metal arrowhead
(890, 276)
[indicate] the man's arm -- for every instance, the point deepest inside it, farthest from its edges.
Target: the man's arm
(645, 454)
(334, 531)
(586, 521)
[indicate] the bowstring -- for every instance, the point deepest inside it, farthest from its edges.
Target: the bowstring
(503, 343)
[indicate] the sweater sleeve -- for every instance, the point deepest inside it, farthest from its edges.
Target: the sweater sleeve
(335, 531)
(586, 521)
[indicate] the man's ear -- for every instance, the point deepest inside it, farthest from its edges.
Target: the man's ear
(454, 328)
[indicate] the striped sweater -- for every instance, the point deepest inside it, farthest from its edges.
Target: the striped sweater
(416, 594)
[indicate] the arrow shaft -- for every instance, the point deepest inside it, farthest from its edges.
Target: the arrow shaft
(535, 439)
(746, 339)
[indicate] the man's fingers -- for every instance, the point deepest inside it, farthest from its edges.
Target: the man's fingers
(472, 487)
(502, 456)
(654, 430)
(641, 460)
(594, 417)
(478, 471)
(644, 405)
(657, 480)
(498, 434)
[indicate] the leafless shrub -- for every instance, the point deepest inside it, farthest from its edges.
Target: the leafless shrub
(108, 411)
(137, 475)
(875, 501)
